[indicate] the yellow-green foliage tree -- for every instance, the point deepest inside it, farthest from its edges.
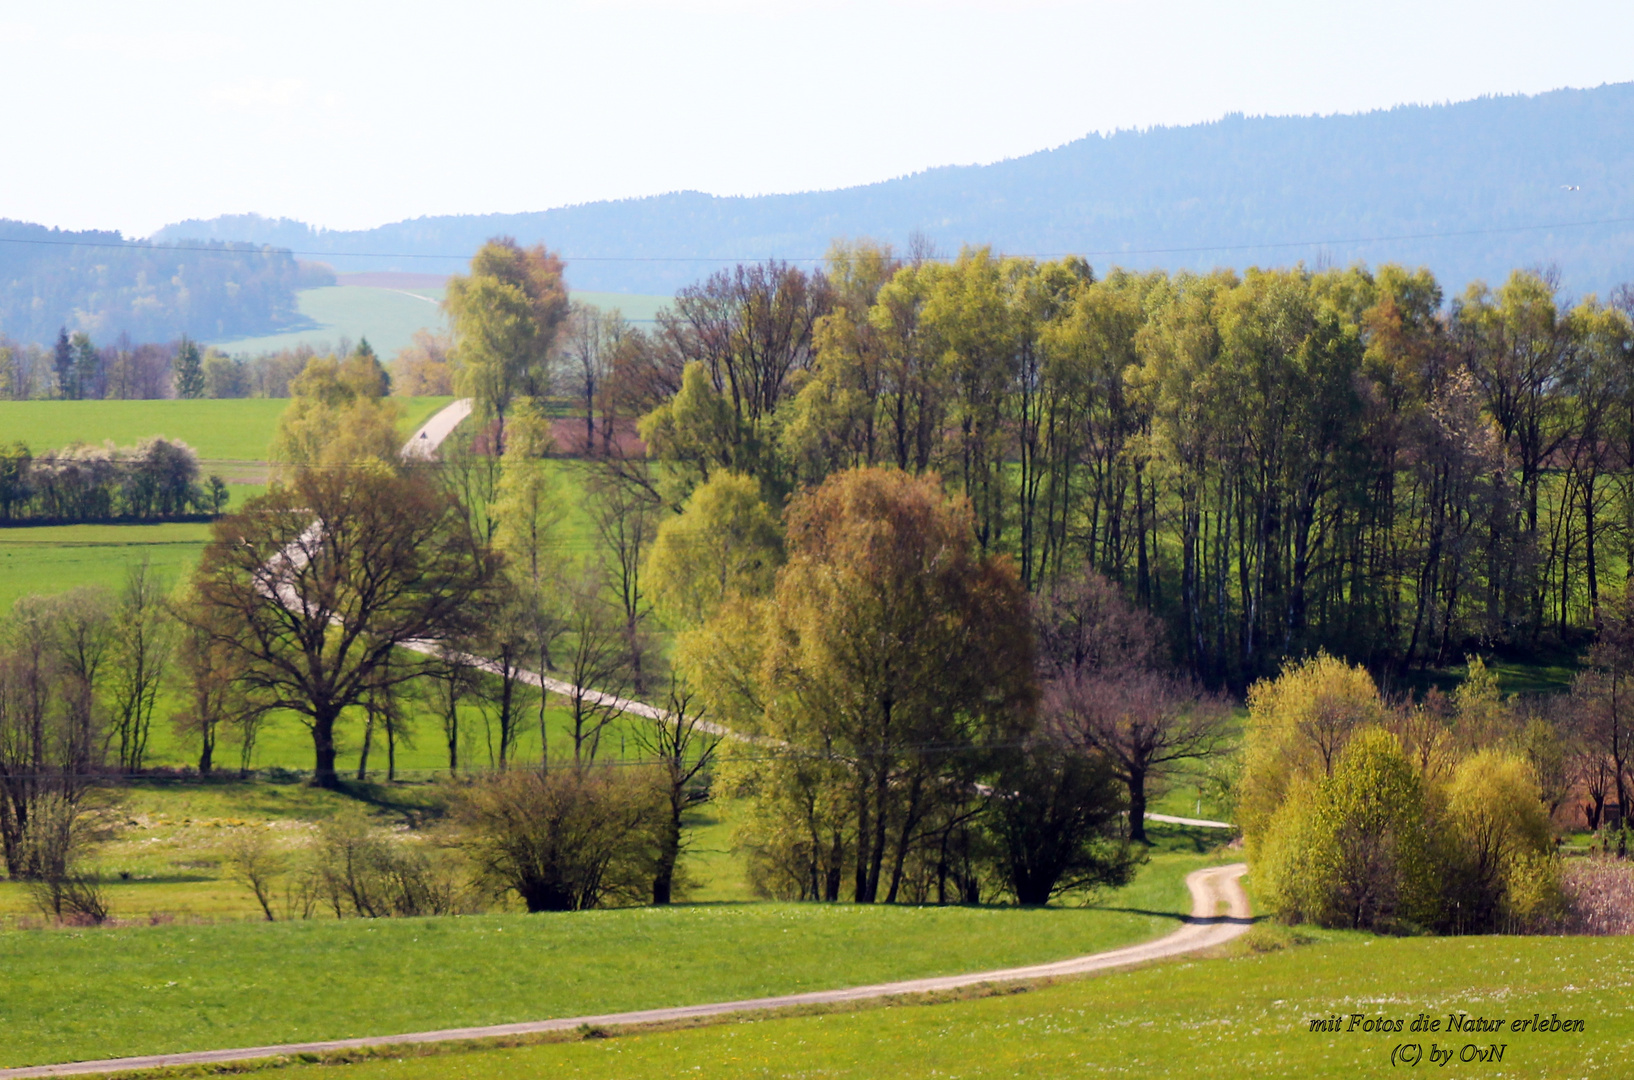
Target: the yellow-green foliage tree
(1297, 724)
(505, 316)
(888, 662)
(725, 542)
(1498, 846)
(1352, 848)
(696, 434)
(338, 415)
(528, 504)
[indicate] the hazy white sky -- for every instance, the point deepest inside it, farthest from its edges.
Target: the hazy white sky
(349, 114)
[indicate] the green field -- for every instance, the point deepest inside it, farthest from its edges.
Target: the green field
(238, 430)
(55, 558)
(126, 990)
(231, 437)
(389, 317)
(1247, 1015)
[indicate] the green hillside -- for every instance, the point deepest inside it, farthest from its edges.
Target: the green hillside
(389, 317)
(238, 430)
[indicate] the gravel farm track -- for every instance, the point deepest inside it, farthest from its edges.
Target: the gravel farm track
(1211, 889)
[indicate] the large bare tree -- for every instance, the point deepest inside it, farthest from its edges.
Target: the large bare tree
(1106, 691)
(331, 574)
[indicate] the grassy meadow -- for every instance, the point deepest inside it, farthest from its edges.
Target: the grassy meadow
(55, 558)
(1243, 1013)
(232, 438)
(133, 989)
(238, 430)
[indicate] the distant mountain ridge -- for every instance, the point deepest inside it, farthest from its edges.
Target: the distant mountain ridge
(1472, 190)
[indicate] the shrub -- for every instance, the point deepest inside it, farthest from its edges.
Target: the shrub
(564, 840)
(1598, 896)
(358, 869)
(1497, 852)
(1352, 849)
(1298, 723)
(58, 837)
(1057, 818)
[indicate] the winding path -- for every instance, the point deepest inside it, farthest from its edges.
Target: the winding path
(1211, 889)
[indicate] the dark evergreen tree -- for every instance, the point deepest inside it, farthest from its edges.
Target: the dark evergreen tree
(189, 370)
(62, 362)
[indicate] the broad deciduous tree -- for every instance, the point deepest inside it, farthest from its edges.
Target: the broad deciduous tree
(328, 576)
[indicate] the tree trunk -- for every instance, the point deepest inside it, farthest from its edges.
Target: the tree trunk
(669, 851)
(323, 746)
(368, 741)
(1137, 807)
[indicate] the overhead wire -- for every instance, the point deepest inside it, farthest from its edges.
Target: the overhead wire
(249, 248)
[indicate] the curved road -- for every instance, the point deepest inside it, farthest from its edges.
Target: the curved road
(1211, 889)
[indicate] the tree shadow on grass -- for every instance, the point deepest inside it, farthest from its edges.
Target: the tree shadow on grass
(394, 799)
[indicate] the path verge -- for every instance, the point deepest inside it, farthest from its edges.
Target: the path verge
(1211, 889)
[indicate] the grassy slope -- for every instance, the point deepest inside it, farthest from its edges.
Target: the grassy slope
(52, 559)
(389, 317)
(1244, 1016)
(73, 994)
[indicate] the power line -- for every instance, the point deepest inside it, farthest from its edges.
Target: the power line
(224, 247)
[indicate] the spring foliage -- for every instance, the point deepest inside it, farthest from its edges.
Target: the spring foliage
(1346, 827)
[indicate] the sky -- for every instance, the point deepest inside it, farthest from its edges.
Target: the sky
(348, 114)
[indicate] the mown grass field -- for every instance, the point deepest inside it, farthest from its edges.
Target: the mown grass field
(126, 990)
(389, 317)
(237, 430)
(231, 437)
(1243, 1015)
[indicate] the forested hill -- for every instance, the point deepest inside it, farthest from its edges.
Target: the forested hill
(105, 285)
(1492, 180)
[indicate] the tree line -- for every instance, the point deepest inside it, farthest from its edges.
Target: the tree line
(155, 480)
(961, 552)
(77, 369)
(1272, 462)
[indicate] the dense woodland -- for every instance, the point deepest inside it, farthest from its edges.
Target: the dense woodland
(961, 561)
(1274, 462)
(101, 284)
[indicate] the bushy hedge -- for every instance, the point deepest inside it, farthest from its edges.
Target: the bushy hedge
(155, 480)
(1406, 827)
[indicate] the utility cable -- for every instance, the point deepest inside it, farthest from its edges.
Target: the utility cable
(225, 247)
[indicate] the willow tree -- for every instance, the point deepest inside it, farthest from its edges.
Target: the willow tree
(898, 651)
(505, 317)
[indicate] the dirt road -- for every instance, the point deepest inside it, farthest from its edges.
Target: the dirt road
(1211, 890)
